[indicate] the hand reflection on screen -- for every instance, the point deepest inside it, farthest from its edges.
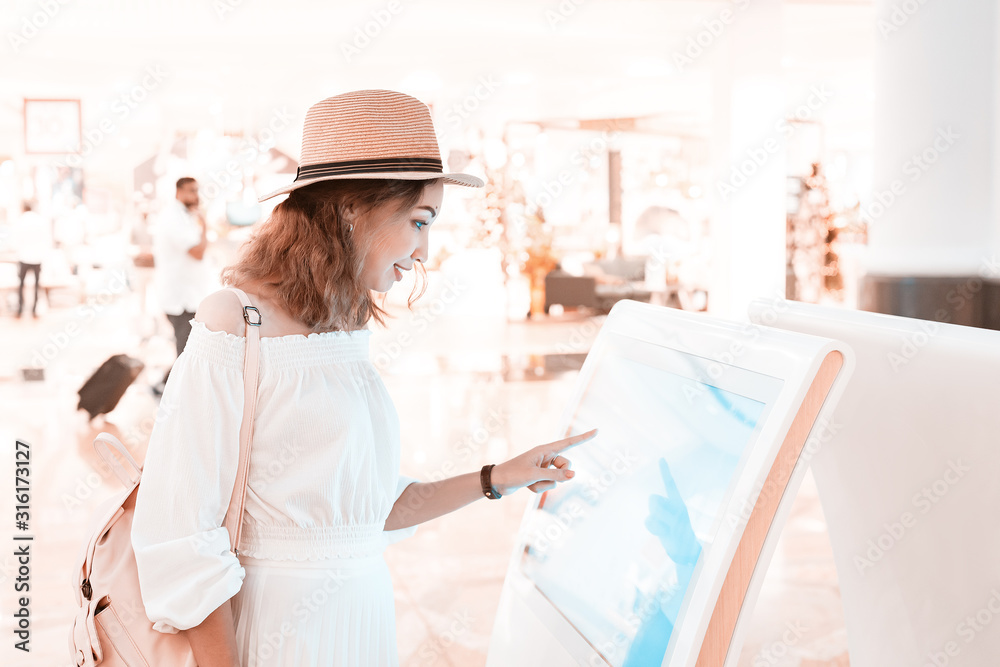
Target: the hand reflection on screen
(668, 520)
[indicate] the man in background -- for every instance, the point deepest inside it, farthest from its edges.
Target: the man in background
(181, 278)
(32, 240)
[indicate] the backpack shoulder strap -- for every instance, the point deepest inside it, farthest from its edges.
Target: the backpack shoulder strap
(251, 361)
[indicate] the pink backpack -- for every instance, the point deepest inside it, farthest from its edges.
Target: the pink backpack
(111, 627)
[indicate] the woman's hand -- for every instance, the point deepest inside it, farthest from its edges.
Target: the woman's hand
(423, 501)
(532, 469)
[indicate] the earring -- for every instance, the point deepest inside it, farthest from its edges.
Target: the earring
(350, 227)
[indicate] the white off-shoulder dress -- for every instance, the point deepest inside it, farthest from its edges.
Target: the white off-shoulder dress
(310, 585)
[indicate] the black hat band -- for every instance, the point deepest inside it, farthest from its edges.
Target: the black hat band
(378, 165)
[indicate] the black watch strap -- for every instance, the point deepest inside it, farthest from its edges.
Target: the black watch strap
(485, 480)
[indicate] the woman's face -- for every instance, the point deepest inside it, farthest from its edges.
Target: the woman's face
(401, 240)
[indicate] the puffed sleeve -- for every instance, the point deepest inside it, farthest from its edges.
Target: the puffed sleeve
(182, 549)
(392, 536)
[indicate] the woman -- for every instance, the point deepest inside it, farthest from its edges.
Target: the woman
(324, 497)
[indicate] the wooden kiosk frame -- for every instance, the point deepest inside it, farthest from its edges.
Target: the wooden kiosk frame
(719, 637)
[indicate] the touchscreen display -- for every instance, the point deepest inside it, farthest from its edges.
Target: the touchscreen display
(615, 549)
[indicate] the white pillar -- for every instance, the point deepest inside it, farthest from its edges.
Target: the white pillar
(748, 225)
(933, 210)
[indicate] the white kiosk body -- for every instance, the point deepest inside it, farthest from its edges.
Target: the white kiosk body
(909, 479)
(646, 556)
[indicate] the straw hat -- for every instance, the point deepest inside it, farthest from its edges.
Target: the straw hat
(370, 134)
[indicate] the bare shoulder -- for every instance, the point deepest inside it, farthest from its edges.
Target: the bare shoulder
(221, 311)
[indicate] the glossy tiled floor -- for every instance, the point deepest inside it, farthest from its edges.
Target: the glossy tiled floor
(469, 389)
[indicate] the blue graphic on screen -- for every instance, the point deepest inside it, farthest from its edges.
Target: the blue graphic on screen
(615, 549)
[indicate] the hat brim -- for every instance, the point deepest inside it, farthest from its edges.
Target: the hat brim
(467, 180)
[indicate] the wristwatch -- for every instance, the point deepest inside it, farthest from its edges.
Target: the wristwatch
(486, 482)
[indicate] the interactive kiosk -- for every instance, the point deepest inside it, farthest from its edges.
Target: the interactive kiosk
(653, 553)
(908, 474)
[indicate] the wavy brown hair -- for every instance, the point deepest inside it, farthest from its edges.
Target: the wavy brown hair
(311, 262)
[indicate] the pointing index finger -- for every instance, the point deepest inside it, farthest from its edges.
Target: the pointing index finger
(668, 481)
(566, 443)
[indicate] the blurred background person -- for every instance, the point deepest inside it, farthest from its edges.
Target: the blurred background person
(181, 275)
(32, 242)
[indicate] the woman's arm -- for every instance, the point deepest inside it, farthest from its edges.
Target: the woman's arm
(213, 641)
(423, 501)
(186, 570)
